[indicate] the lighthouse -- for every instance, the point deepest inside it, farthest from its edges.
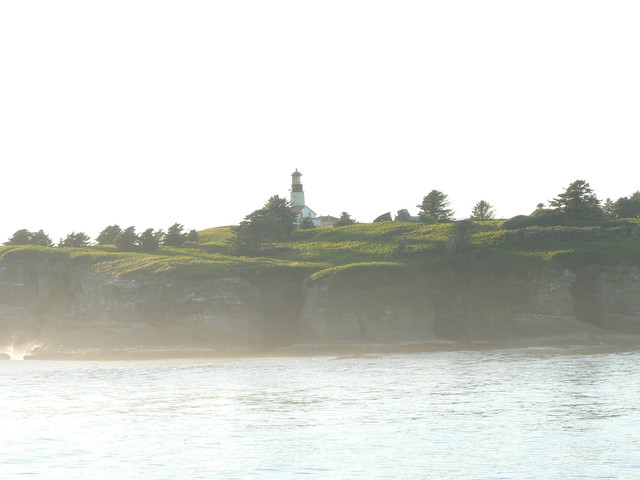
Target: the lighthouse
(297, 200)
(297, 194)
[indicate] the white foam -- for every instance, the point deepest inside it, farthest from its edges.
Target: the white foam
(16, 353)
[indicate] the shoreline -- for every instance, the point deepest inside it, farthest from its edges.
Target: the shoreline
(573, 344)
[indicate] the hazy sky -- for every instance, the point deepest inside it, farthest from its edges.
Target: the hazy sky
(148, 113)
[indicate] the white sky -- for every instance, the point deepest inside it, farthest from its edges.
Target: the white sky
(148, 113)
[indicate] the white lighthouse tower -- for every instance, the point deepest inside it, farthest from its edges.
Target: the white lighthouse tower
(297, 200)
(297, 194)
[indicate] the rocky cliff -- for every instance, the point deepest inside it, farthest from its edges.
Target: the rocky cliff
(53, 309)
(538, 306)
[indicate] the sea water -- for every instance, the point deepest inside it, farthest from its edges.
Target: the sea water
(509, 414)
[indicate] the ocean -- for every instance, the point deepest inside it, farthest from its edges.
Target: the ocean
(528, 413)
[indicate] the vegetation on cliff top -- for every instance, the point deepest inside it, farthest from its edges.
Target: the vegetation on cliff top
(362, 247)
(576, 232)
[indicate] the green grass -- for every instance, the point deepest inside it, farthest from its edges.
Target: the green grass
(323, 251)
(34, 253)
(363, 267)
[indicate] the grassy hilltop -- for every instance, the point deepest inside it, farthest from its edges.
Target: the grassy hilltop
(371, 247)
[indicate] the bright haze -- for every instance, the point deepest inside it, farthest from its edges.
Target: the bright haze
(147, 113)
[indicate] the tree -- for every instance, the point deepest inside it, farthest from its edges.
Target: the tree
(283, 219)
(127, 240)
(609, 208)
(482, 211)
(628, 207)
(175, 236)
(275, 222)
(75, 240)
(344, 220)
(108, 235)
(306, 224)
(150, 240)
(578, 201)
(40, 238)
(435, 204)
(20, 237)
(193, 236)
(25, 237)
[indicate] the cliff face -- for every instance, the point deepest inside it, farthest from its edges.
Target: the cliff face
(544, 305)
(57, 309)
(51, 309)
(363, 309)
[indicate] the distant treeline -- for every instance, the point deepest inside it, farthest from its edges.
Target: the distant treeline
(126, 240)
(275, 222)
(577, 202)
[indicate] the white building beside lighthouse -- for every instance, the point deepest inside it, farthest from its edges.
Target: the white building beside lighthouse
(297, 200)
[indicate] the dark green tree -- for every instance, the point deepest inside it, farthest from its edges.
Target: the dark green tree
(108, 235)
(75, 240)
(150, 240)
(578, 201)
(25, 237)
(127, 240)
(628, 207)
(193, 236)
(435, 204)
(609, 208)
(41, 238)
(20, 237)
(344, 220)
(306, 224)
(275, 222)
(482, 211)
(175, 236)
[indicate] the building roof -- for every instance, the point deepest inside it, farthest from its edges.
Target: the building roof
(296, 173)
(299, 208)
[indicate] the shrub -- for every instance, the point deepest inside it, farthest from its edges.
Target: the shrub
(108, 235)
(344, 220)
(175, 236)
(25, 237)
(306, 224)
(75, 240)
(150, 240)
(127, 240)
